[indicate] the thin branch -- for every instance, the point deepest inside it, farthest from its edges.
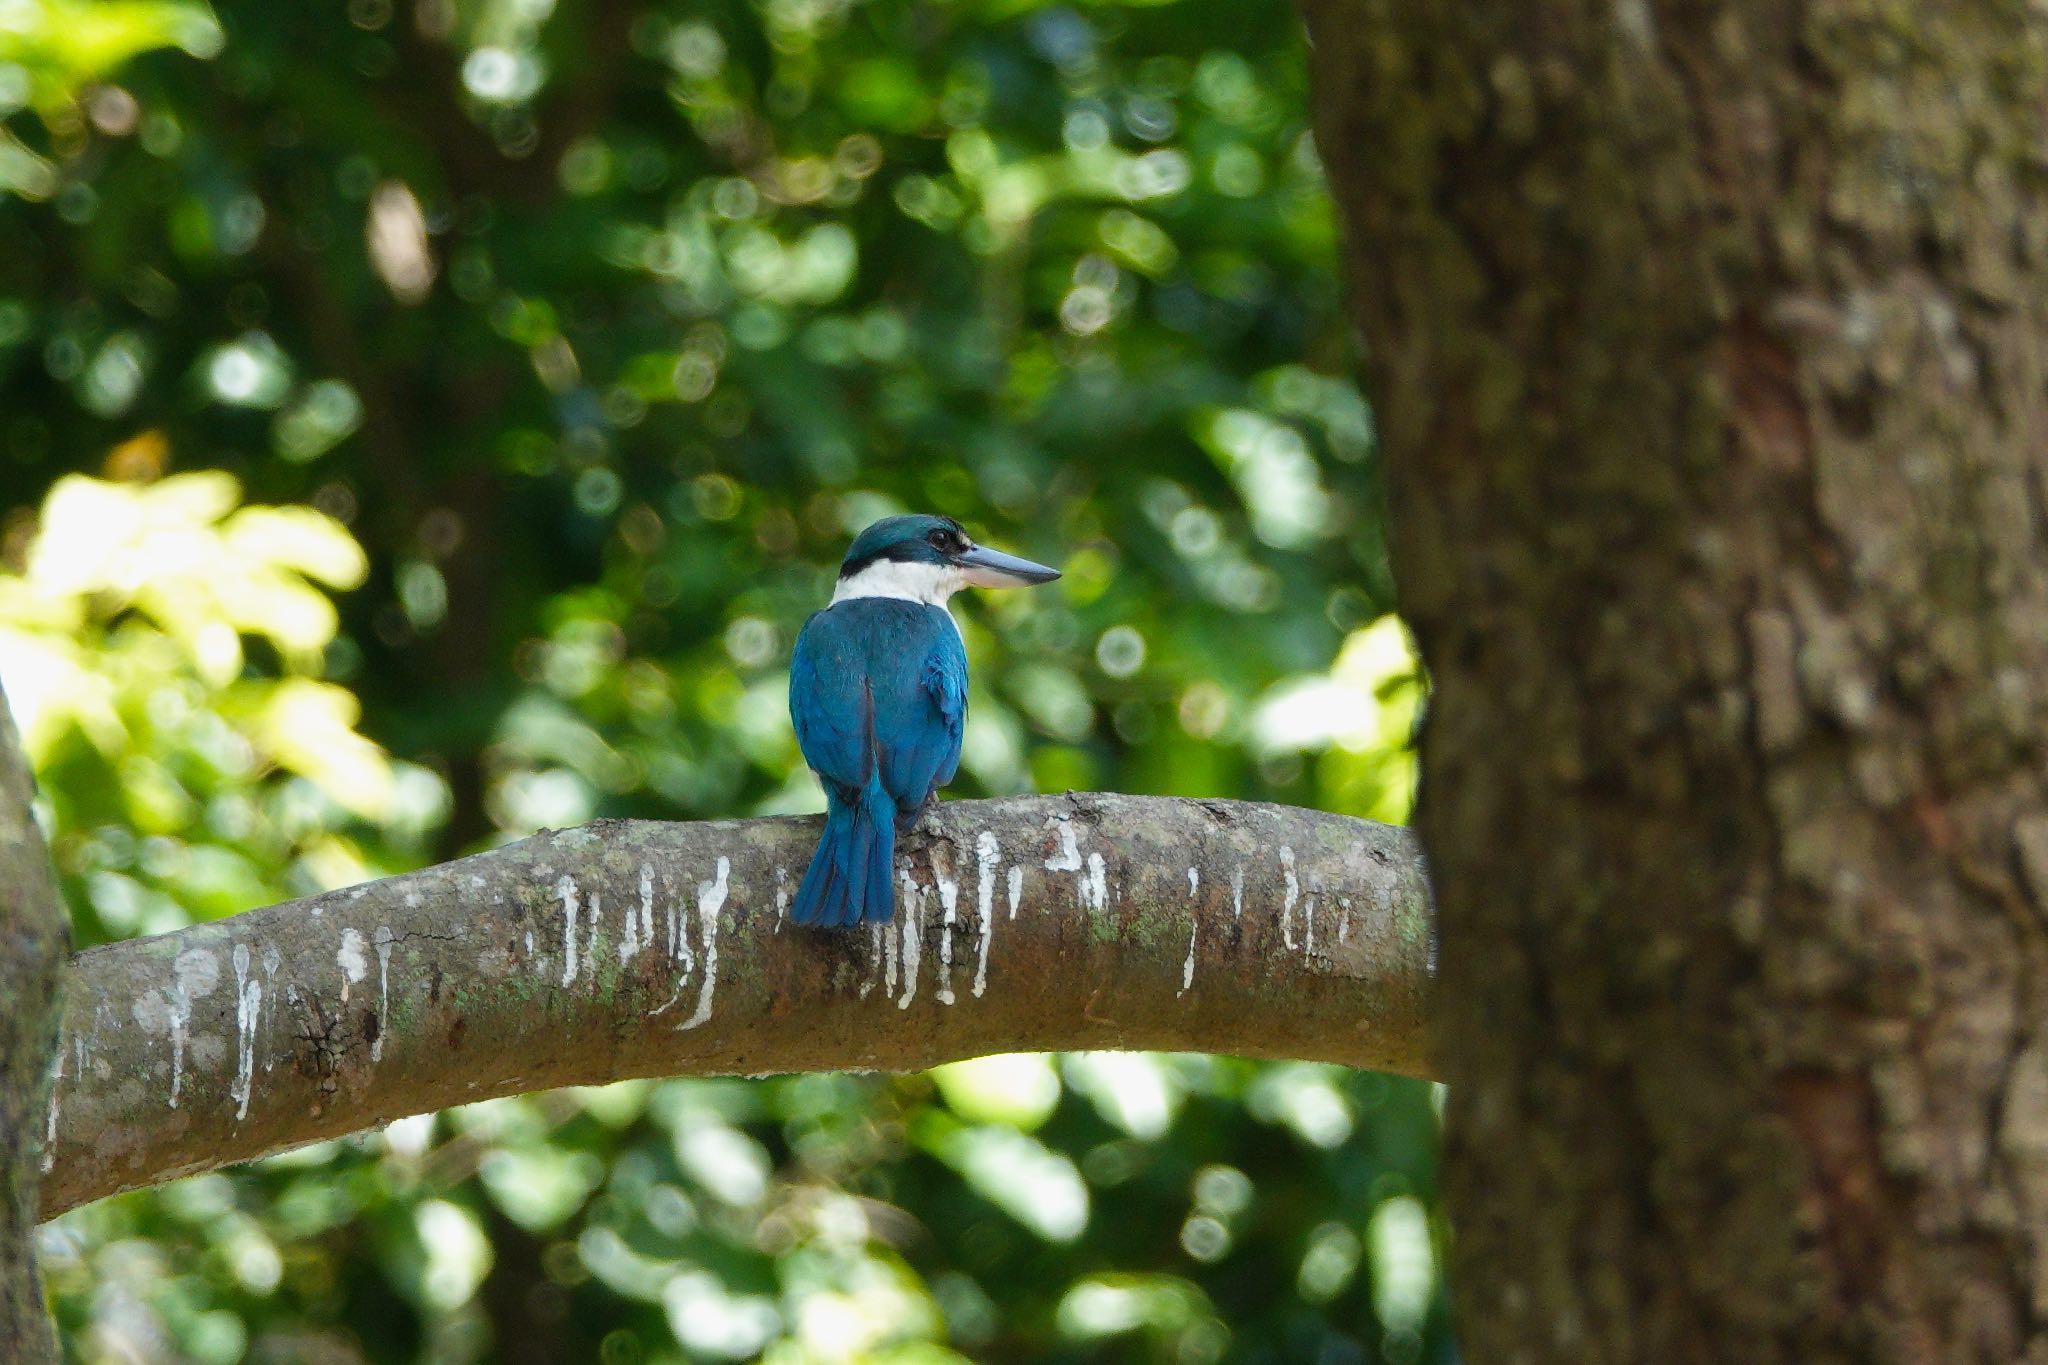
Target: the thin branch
(34, 944)
(644, 949)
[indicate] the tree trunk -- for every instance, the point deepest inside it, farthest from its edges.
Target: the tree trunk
(1710, 349)
(34, 940)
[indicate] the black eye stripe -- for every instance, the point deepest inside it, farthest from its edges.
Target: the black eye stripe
(945, 539)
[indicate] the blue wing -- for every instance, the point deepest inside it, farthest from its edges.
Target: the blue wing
(831, 702)
(945, 677)
(921, 754)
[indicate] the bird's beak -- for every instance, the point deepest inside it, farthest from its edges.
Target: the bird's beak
(988, 568)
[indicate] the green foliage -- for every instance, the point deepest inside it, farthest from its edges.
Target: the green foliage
(63, 45)
(187, 779)
(532, 365)
(50, 50)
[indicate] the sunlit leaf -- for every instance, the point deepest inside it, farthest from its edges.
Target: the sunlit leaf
(65, 44)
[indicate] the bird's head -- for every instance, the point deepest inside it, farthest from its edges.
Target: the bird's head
(928, 559)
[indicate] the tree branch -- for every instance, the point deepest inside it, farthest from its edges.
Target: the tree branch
(645, 949)
(34, 939)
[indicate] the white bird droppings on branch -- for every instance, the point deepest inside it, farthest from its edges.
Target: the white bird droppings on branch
(1293, 893)
(710, 900)
(571, 904)
(349, 957)
(949, 904)
(383, 938)
(988, 855)
(248, 1010)
(910, 918)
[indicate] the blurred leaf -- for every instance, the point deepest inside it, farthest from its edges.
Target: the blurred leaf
(64, 45)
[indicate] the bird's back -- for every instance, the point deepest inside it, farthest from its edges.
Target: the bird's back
(906, 660)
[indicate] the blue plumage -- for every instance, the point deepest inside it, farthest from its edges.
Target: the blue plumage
(878, 691)
(878, 695)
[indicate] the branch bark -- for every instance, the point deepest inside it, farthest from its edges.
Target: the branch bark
(643, 949)
(34, 939)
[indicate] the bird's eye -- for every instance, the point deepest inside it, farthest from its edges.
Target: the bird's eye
(944, 540)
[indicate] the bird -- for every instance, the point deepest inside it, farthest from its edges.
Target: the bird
(878, 698)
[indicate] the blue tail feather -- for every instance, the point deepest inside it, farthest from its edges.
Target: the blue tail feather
(850, 879)
(880, 905)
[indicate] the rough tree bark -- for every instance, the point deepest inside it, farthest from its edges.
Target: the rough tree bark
(1709, 345)
(643, 949)
(34, 940)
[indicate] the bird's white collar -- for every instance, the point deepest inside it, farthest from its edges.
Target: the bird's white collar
(931, 584)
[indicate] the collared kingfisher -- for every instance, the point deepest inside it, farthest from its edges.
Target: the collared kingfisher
(878, 694)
